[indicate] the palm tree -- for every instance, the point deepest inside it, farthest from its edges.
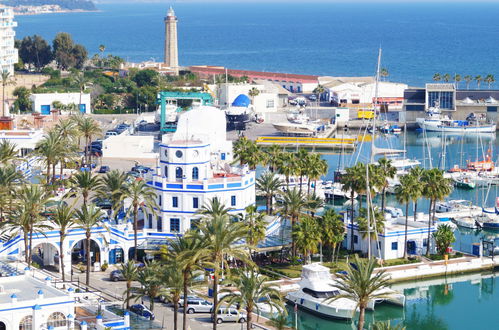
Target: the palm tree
(186, 252)
(129, 272)
(220, 235)
(63, 220)
(468, 80)
(417, 192)
(248, 152)
(6, 80)
(316, 168)
(384, 73)
(361, 285)
(489, 79)
(274, 157)
(253, 289)
(444, 237)
(386, 171)
(435, 187)
(332, 230)
(352, 183)
(151, 282)
(457, 79)
(287, 165)
(88, 128)
(172, 278)
(142, 197)
(87, 218)
(84, 183)
(268, 185)
(9, 181)
(437, 77)
(318, 91)
(8, 152)
(256, 226)
(403, 193)
(374, 227)
(50, 148)
(478, 80)
(81, 82)
(446, 77)
(292, 205)
(113, 186)
(253, 92)
(307, 236)
(302, 168)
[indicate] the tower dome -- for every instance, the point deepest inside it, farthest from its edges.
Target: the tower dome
(241, 101)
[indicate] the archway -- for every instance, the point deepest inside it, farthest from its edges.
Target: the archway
(3, 326)
(56, 319)
(78, 253)
(46, 255)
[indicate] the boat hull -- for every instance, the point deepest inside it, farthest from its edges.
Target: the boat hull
(436, 126)
(320, 309)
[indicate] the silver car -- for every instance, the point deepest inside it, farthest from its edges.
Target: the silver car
(230, 315)
(199, 306)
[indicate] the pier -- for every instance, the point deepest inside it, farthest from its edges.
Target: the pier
(308, 142)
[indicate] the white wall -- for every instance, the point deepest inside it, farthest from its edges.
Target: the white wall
(45, 99)
(129, 146)
(266, 102)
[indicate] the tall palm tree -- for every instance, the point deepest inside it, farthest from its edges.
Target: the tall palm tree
(437, 77)
(248, 152)
(457, 79)
(316, 168)
(142, 197)
(417, 192)
(6, 79)
(302, 168)
(220, 235)
(403, 193)
(374, 227)
(332, 230)
(253, 92)
(384, 73)
(293, 204)
(274, 156)
(9, 181)
(444, 237)
(129, 272)
(214, 208)
(113, 186)
(307, 236)
(489, 79)
(386, 171)
(63, 220)
(468, 79)
(84, 183)
(88, 218)
(88, 128)
(256, 226)
(253, 289)
(79, 79)
(172, 277)
(435, 187)
(361, 285)
(187, 253)
(287, 165)
(478, 80)
(318, 91)
(50, 148)
(446, 77)
(352, 183)
(151, 282)
(268, 184)
(8, 152)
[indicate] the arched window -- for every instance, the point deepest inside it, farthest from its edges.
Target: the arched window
(178, 173)
(165, 173)
(195, 173)
(56, 319)
(3, 326)
(26, 323)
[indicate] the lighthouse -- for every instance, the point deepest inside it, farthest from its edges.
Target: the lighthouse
(171, 48)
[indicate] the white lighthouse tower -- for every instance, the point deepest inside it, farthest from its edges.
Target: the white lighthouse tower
(171, 47)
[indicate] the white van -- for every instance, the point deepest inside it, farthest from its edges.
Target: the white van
(230, 315)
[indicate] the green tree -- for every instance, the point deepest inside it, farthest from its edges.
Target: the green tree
(292, 205)
(88, 217)
(84, 183)
(253, 92)
(352, 183)
(113, 187)
(6, 79)
(34, 50)
(67, 54)
(361, 285)
(446, 77)
(468, 80)
(50, 149)
(417, 174)
(220, 235)
(444, 237)
(23, 102)
(145, 77)
(273, 157)
(457, 79)
(151, 282)
(248, 152)
(268, 185)
(318, 91)
(403, 193)
(142, 197)
(88, 128)
(437, 77)
(332, 230)
(63, 220)
(172, 277)
(478, 80)
(80, 81)
(435, 188)
(8, 152)
(489, 79)
(9, 182)
(316, 167)
(253, 289)
(385, 171)
(256, 226)
(287, 165)
(129, 272)
(307, 236)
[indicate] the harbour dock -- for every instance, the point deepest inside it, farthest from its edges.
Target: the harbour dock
(308, 142)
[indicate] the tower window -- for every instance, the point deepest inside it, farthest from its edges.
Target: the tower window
(165, 173)
(174, 225)
(195, 203)
(159, 224)
(179, 173)
(195, 173)
(175, 201)
(232, 200)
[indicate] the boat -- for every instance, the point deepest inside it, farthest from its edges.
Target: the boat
(483, 165)
(464, 182)
(488, 220)
(335, 191)
(239, 113)
(317, 285)
(454, 205)
(465, 222)
(310, 129)
(390, 129)
(435, 121)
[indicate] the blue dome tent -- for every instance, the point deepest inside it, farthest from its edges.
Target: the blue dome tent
(241, 101)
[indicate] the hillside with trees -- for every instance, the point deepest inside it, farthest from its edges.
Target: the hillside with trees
(64, 4)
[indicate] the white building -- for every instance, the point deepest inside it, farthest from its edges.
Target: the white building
(8, 54)
(28, 303)
(43, 103)
(269, 99)
(391, 242)
(194, 167)
(129, 146)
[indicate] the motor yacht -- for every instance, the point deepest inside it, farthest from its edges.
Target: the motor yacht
(435, 121)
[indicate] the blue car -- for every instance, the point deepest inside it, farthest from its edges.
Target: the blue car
(142, 310)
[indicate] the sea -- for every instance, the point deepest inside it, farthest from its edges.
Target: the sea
(338, 39)
(328, 38)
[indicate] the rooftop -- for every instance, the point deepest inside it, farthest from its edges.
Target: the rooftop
(25, 288)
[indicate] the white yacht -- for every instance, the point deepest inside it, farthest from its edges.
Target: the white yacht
(335, 191)
(317, 285)
(299, 124)
(435, 121)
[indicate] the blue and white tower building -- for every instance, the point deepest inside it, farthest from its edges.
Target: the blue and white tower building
(194, 166)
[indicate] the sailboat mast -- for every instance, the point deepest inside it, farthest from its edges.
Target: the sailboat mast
(376, 83)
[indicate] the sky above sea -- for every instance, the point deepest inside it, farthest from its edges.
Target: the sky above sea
(323, 38)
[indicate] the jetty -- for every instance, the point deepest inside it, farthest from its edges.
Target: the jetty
(308, 142)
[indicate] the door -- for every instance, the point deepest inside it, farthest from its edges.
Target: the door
(112, 256)
(45, 109)
(411, 247)
(83, 108)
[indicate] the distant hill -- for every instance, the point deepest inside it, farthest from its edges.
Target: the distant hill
(64, 4)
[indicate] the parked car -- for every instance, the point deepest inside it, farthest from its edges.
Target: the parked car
(142, 310)
(103, 203)
(189, 297)
(116, 275)
(312, 97)
(198, 306)
(96, 144)
(111, 133)
(141, 169)
(104, 169)
(229, 315)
